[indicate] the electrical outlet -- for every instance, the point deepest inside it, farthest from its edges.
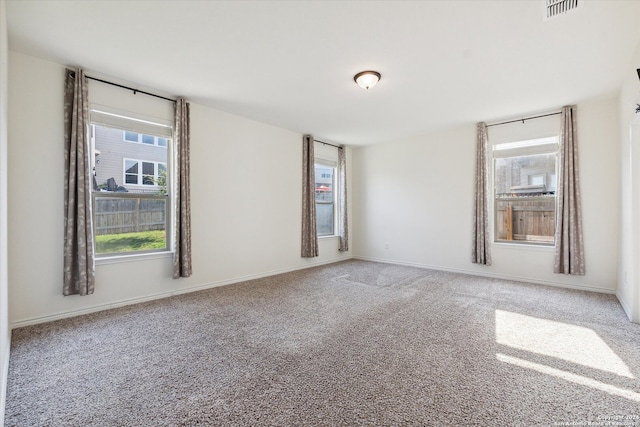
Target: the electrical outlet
(386, 246)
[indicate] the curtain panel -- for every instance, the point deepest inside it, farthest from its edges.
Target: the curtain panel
(79, 262)
(343, 227)
(569, 254)
(182, 223)
(309, 227)
(481, 250)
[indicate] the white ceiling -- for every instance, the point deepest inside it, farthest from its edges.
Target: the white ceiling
(291, 63)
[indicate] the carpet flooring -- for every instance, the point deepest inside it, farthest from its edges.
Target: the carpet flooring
(349, 344)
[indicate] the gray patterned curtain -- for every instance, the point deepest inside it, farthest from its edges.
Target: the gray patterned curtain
(182, 232)
(309, 226)
(79, 265)
(569, 255)
(343, 227)
(481, 253)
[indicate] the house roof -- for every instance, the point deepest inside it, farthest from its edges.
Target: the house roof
(291, 64)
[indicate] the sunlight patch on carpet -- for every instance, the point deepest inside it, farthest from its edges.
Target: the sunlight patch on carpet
(575, 344)
(571, 377)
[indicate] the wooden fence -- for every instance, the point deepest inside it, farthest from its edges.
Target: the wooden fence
(116, 215)
(530, 219)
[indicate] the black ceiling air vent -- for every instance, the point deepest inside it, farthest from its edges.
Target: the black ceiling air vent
(555, 8)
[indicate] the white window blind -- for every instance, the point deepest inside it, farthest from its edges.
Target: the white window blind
(109, 117)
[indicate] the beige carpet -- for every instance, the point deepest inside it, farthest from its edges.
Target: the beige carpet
(350, 344)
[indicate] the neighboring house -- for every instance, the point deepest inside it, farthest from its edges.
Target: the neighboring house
(324, 183)
(135, 161)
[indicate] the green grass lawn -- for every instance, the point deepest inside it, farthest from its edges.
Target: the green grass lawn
(128, 242)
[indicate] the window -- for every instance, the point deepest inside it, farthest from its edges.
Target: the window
(325, 198)
(140, 172)
(131, 136)
(525, 177)
(142, 138)
(131, 203)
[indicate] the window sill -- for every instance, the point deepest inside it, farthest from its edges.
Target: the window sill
(327, 237)
(119, 259)
(525, 246)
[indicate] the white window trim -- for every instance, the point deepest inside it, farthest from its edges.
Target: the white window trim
(159, 128)
(133, 257)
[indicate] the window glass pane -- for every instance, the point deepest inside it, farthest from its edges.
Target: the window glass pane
(131, 179)
(130, 136)
(324, 219)
(531, 220)
(162, 179)
(525, 194)
(127, 167)
(129, 224)
(130, 199)
(325, 199)
(162, 142)
(148, 170)
(525, 175)
(324, 183)
(131, 166)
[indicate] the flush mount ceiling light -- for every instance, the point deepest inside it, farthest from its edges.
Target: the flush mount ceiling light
(367, 79)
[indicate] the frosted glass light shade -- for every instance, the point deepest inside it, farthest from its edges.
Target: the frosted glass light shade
(367, 79)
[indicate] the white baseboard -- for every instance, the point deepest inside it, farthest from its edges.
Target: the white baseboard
(131, 301)
(491, 275)
(625, 306)
(122, 303)
(4, 375)
(628, 310)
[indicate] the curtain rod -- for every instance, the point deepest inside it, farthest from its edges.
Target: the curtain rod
(527, 118)
(326, 143)
(130, 88)
(134, 90)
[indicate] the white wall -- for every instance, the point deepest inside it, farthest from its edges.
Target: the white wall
(5, 336)
(414, 201)
(246, 205)
(629, 127)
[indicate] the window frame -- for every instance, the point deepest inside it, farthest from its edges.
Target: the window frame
(124, 136)
(124, 121)
(328, 164)
(523, 148)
